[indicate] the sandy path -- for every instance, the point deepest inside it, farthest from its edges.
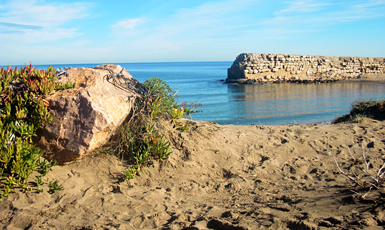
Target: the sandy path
(219, 177)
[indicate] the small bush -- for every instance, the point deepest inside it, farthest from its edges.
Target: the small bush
(364, 109)
(22, 111)
(139, 138)
(160, 98)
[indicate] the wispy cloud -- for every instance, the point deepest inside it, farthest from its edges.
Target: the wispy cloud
(46, 15)
(19, 26)
(165, 31)
(38, 20)
(310, 14)
(354, 11)
(303, 6)
(370, 3)
(189, 29)
(186, 25)
(128, 24)
(367, 9)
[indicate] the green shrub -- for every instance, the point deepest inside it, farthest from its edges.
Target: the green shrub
(139, 139)
(364, 109)
(177, 113)
(22, 111)
(160, 98)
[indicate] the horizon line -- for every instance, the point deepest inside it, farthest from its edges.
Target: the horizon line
(115, 63)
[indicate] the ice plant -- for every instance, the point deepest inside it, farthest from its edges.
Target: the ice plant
(22, 111)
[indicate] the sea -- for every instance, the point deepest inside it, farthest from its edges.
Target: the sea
(268, 104)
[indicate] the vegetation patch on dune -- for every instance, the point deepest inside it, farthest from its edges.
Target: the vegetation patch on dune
(140, 138)
(23, 110)
(364, 109)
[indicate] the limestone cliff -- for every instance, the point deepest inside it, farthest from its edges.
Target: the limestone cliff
(254, 68)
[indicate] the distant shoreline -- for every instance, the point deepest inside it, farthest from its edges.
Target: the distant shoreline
(375, 79)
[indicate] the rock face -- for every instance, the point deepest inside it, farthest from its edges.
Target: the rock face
(254, 68)
(88, 114)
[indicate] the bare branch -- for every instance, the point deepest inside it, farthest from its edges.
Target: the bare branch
(359, 173)
(350, 153)
(366, 163)
(379, 171)
(348, 176)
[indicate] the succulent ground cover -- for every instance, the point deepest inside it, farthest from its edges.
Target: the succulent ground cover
(23, 110)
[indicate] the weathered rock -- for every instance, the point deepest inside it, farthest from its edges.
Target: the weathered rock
(299, 68)
(89, 114)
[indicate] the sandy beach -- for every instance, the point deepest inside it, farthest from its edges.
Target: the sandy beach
(218, 177)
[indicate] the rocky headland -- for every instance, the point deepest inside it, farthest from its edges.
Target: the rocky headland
(255, 68)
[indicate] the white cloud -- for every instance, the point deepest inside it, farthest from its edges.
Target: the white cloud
(39, 21)
(19, 26)
(54, 14)
(186, 27)
(128, 24)
(353, 12)
(312, 15)
(370, 3)
(194, 30)
(303, 6)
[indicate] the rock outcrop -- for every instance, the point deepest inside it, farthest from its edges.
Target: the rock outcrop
(254, 68)
(88, 114)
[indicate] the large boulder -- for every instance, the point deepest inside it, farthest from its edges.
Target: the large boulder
(88, 114)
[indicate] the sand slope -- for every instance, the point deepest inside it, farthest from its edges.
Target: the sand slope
(219, 177)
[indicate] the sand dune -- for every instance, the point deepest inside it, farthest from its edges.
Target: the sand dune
(218, 177)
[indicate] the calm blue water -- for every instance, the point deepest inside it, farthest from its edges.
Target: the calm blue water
(200, 82)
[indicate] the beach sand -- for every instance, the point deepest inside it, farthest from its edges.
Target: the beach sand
(218, 177)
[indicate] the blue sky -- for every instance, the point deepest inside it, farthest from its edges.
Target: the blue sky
(71, 32)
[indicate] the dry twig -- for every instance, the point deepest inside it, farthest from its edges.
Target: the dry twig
(375, 179)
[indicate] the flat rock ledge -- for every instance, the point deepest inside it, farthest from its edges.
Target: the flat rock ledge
(255, 68)
(88, 114)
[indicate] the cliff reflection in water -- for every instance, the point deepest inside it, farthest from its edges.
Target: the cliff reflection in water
(290, 103)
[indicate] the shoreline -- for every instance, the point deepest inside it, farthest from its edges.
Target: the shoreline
(371, 79)
(377, 79)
